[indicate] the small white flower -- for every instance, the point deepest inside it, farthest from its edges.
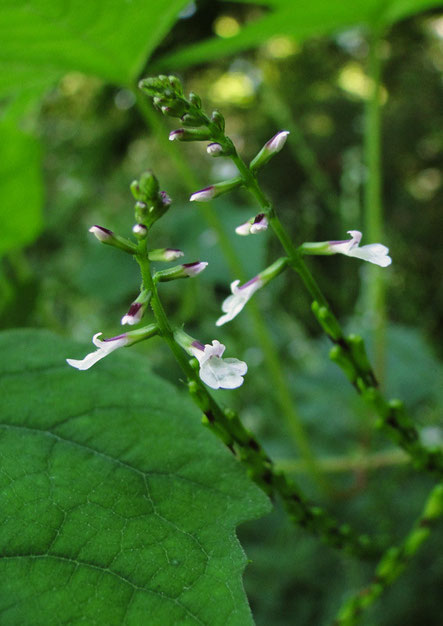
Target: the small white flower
(240, 295)
(373, 252)
(214, 371)
(104, 348)
(253, 226)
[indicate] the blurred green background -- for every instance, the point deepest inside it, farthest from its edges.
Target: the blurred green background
(74, 132)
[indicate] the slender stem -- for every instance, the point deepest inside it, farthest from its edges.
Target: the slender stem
(340, 464)
(228, 427)
(283, 395)
(373, 283)
(393, 562)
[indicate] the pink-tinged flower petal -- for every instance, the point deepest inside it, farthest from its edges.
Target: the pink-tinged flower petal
(240, 296)
(104, 348)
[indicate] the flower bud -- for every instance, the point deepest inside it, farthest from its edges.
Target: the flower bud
(137, 309)
(190, 134)
(110, 238)
(253, 226)
(271, 147)
(203, 195)
(187, 270)
(165, 254)
(218, 119)
(215, 149)
(140, 231)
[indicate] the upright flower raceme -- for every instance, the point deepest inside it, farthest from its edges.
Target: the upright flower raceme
(214, 371)
(374, 252)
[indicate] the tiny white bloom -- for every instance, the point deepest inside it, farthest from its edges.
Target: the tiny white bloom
(373, 252)
(253, 226)
(214, 149)
(214, 371)
(240, 295)
(104, 348)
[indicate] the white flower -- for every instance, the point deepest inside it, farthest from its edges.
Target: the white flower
(104, 348)
(214, 371)
(373, 252)
(253, 226)
(240, 295)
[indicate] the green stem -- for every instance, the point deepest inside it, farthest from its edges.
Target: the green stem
(228, 427)
(373, 283)
(263, 338)
(393, 562)
(340, 464)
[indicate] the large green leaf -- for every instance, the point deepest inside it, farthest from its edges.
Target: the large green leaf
(21, 188)
(108, 38)
(117, 507)
(300, 20)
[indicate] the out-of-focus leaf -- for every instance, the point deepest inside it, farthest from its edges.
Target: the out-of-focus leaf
(21, 189)
(299, 20)
(117, 507)
(108, 38)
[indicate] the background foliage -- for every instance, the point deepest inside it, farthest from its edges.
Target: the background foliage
(73, 133)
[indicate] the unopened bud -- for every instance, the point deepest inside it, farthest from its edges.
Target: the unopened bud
(165, 254)
(218, 119)
(187, 270)
(137, 309)
(253, 226)
(215, 149)
(271, 147)
(110, 238)
(195, 100)
(190, 134)
(140, 231)
(203, 195)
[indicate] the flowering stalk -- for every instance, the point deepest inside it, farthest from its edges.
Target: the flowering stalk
(226, 425)
(393, 562)
(393, 418)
